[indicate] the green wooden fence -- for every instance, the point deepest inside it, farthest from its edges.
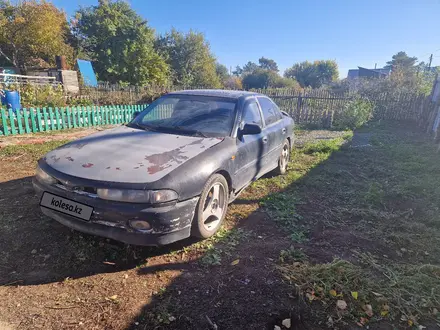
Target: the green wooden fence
(35, 120)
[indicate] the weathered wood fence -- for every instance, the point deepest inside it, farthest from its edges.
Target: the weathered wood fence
(318, 108)
(315, 108)
(51, 119)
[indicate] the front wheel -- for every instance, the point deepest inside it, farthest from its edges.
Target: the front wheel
(211, 208)
(284, 158)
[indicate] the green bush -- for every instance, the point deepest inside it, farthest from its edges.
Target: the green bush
(32, 95)
(355, 113)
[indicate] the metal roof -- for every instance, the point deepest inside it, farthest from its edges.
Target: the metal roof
(216, 92)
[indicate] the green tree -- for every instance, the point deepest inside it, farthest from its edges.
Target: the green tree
(269, 64)
(402, 61)
(238, 71)
(222, 72)
(120, 43)
(249, 67)
(190, 59)
(264, 78)
(32, 32)
(313, 74)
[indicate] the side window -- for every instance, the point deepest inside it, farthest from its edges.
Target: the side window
(277, 111)
(269, 112)
(251, 113)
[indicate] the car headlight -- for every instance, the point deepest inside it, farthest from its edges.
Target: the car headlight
(44, 177)
(138, 196)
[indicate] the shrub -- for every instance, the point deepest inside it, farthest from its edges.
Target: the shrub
(355, 113)
(32, 95)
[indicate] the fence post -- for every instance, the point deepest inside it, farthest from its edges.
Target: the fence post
(12, 122)
(52, 120)
(89, 113)
(57, 118)
(4, 122)
(33, 114)
(68, 113)
(39, 120)
(19, 123)
(26, 120)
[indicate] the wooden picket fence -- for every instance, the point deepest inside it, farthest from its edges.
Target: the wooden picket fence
(51, 119)
(315, 108)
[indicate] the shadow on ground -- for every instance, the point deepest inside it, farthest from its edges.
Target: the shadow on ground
(37, 249)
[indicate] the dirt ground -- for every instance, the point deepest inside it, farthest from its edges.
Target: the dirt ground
(55, 278)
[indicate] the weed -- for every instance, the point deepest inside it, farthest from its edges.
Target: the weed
(298, 236)
(292, 255)
(375, 194)
(323, 146)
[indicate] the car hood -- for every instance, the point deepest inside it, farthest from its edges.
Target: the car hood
(128, 155)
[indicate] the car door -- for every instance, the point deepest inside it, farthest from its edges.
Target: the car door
(250, 148)
(274, 133)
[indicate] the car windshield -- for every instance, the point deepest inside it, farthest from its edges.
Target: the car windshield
(189, 114)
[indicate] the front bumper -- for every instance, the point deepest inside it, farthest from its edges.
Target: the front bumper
(110, 219)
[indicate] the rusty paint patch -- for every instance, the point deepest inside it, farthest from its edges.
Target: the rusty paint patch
(87, 165)
(159, 162)
(70, 158)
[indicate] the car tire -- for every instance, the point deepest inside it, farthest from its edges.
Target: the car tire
(211, 208)
(284, 158)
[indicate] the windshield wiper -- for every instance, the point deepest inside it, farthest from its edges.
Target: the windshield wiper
(177, 129)
(191, 131)
(136, 125)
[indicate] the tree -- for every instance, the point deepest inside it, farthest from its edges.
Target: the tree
(32, 32)
(120, 43)
(190, 59)
(238, 71)
(402, 61)
(267, 63)
(264, 78)
(233, 82)
(249, 67)
(222, 72)
(313, 74)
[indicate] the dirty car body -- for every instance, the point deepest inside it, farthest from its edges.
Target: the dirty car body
(141, 183)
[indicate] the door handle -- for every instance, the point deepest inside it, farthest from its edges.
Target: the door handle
(284, 131)
(265, 139)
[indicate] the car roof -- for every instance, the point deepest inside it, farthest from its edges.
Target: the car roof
(216, 92)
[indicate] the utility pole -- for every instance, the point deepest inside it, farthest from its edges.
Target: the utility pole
(430, 62)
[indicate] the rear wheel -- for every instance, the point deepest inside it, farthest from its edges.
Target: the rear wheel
(211, 208)
(284, 158)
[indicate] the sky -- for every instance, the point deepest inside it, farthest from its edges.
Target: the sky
(352, 32)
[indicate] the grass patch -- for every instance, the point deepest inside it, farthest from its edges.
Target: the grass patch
(278, 194)
(221, 245)
(34, 151)
(384, 202)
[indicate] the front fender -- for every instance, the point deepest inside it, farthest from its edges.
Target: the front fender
(189, 179)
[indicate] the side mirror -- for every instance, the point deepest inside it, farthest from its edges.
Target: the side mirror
(135, 114)
(250, 129)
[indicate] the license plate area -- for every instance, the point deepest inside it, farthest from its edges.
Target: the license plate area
(66, 206)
